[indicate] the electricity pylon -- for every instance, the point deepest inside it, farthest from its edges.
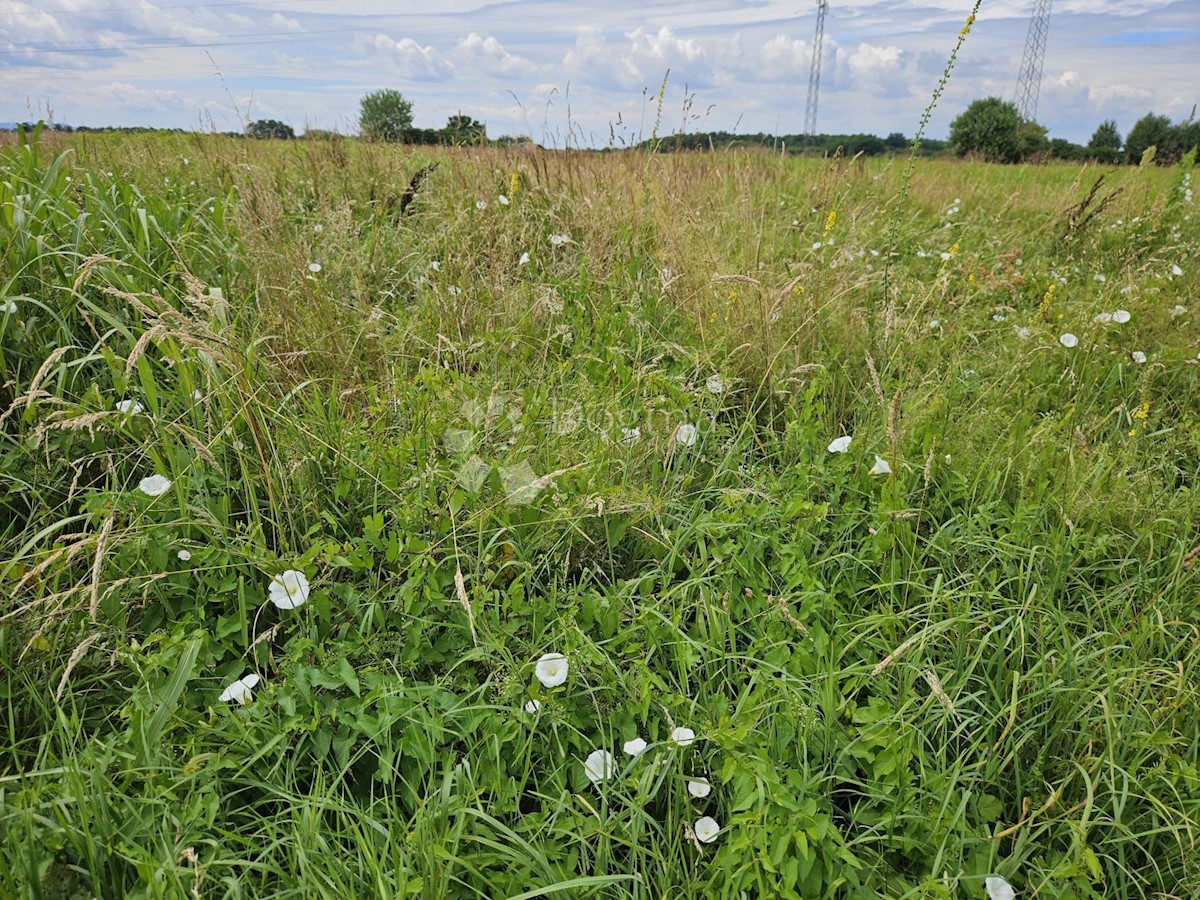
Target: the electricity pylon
(814, 74)
(1029, 81)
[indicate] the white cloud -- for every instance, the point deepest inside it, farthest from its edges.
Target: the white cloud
(488, 55)
(414, 61)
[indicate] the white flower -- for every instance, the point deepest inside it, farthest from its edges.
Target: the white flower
(706, 829)
(454, 290)
(1138, 357)
(945, 256)
(816, 245)
(1121, 316)
(631, 434)
(1024, 332)
(557, 240)
(686, 434)
(533, 706)
(934, 325)
(636, 747)
(714, 384)
(481, 204)
(599, 765)
(241, 691)
(999, 317)
(289, 589)
(435, 266)
(129, 407)
(1068, 340)
(840, 445)
(552, 670)
(682, 736)
(1176, 271)
(1178, 310)
(154, 485)
(197, 395)
(1102, 318)
(881, 466)
(184, 555)
(699, 788)
(524, 260)
(503, 200)
(998, 888)
(314, 268)
(8, 306)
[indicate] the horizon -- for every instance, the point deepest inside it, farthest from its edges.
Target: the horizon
(539, 68)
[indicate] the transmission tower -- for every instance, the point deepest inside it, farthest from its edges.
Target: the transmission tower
(1029, 81)
(814, 75)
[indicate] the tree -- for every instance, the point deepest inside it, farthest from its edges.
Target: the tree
(385, 115)
(264, 129)
(896, 142)
(462, 129)
(1105, 145)
(990, 128)
(1149, 131)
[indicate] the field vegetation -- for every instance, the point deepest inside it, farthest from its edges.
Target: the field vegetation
(363, 510)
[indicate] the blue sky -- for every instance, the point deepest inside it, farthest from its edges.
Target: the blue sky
(589, 72)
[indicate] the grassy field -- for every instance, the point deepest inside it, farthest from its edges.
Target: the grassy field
(584, 404)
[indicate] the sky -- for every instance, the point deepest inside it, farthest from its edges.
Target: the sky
(586, 73)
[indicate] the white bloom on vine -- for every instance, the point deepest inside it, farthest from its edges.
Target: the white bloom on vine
(629, 435)
(533, 706)
(503, 200)
(1121, 316)
(314, 268)
(557, 240)
(552, 670)
(129, 407)
(184, 555)
(154, 485)
(682, 736)
(1068, 340)
(636, 747)
(998, 888)
(524, 260)
(706, 829)
(714, 384)
(8, 306)
(289, 589)
(881, 466)
(241, 691)
(686, 434)
(699, 788)
(599, 765)
(1138, 357)
(841, 444)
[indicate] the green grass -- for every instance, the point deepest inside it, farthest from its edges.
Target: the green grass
(984, 662)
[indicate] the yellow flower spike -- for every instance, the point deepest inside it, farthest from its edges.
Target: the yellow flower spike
(971, 278)
(514, 184)
(830, 221)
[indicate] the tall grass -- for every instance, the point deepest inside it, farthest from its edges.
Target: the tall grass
(984, 662)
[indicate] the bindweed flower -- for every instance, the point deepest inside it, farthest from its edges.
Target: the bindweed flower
(1102, 318)
(128, 407)
(524, 260)
(840, 445)
(197, 395)
(1176, 271)
(699, 788)
(1178, 310)
(934, 325)
(998, 888)
(184, 555)
(999, 317)
(481, 204)
(8, 306)
(552, 670)
(881, 466)
(503, 200)
(241, 691)
(636, 747)
(629, 435)
(1068, 340)
(154, 485)
(714, 384)
(706, 829)
(435, 265)
(289, 589)
(533, 706)
(1138, 357)
(686, 434)
(1024, 332)
(1121, 316)
(683, 737)
(314, 268)
(557, 240)
(599, 765)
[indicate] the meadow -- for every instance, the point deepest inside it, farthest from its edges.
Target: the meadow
(386, 522)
